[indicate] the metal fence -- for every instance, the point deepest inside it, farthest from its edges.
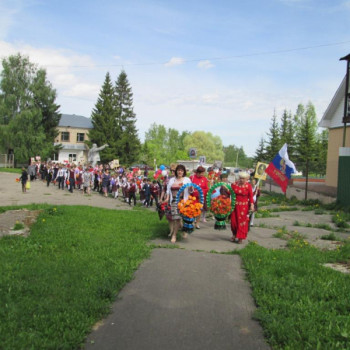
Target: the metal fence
(7, 161)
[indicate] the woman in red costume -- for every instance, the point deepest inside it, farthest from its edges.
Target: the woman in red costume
(244, 202)
(199, 179)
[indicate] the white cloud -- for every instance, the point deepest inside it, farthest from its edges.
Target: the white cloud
(206, 64)
(66, 71)
(175, 61)
(82, 89)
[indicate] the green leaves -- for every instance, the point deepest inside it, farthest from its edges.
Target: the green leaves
(114, 122)
(27, 110)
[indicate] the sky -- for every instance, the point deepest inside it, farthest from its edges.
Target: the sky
(222, 66)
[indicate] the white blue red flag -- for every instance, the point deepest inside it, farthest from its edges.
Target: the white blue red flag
(281, 168)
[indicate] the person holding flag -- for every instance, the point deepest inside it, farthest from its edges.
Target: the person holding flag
(281, 168)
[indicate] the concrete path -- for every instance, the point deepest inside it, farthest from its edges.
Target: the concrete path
(182, 300)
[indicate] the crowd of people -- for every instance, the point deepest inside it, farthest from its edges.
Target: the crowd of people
(133, 185)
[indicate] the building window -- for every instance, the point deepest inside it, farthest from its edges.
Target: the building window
(64, 136)
(80, 137)
(72, 157)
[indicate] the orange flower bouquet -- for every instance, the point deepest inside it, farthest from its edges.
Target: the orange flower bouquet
(221, 205)
(190, 208)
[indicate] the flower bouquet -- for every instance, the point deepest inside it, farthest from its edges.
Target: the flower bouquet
(190, 208)
(222, 205)
(18, 179)
(163, 209)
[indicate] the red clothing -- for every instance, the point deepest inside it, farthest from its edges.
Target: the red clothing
(240, 215)
(202, 182)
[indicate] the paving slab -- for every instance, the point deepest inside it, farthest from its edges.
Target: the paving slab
(181, 299)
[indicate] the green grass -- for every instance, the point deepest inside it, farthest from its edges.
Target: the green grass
(341, 219)
(301, 304)
(11, 170)
(331, 237)
(58, 282)
(265, 213)
(18, 226)
(321, 226)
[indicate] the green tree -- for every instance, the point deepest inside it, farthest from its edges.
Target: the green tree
(260, 153)
(175, 146)
(164, 145)
(28, 113)
(306, 136)
(129, 145)
(231, 153)
(321, 153)
(156, 139)
(206, 144)
(104, 121)
(274, 141)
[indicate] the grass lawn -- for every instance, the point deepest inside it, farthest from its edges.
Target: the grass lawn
(11, 170)
(301, 304)
(58, 282)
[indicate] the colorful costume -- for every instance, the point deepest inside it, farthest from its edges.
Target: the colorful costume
(202, 182)
(172, 189)
(240, 215)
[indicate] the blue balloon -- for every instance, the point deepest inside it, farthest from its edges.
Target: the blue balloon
(162, 167)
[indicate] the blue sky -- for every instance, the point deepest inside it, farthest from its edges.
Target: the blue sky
(218, 66)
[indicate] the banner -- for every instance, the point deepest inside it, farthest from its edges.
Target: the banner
(260, 171)
(281, 168)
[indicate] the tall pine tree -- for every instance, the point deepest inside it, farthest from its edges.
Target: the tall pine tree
(260, 153)
(306, 136)
(103, 118)
(274, 143)
(129, 145)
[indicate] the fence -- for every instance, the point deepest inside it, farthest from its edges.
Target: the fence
(7, 161)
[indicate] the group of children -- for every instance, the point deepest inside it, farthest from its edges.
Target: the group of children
(109, 182)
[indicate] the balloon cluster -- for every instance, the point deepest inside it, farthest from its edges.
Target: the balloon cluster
(161, 171)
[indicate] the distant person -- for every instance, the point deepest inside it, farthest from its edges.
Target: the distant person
(24, 179)
(199, 179)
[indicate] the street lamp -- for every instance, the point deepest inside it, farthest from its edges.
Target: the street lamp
(346, 118)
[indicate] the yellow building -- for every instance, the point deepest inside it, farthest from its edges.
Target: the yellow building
(73, 131)
(333, 120)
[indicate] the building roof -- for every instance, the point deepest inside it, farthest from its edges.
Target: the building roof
(333, 116)
(75, 121)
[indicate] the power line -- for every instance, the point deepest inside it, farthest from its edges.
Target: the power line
(262, 53)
